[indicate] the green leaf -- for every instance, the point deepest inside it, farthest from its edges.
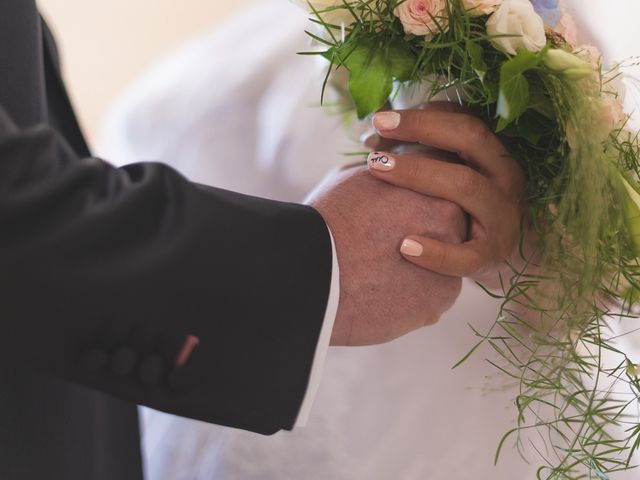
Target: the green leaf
(402, 61)
(502, 125)
(513, 100)
(476, 54)
(370, 81)
(373, 70)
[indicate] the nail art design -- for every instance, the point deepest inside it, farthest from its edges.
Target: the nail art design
(381, 161)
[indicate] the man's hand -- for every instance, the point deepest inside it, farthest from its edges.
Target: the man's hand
(382, 296)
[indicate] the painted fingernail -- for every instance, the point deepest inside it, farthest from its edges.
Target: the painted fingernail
(411, 248)
(386, 120)
(381, 161)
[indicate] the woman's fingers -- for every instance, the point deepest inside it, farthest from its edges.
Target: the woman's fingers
(465, 260)
(489, 186)
(373, 141)
(461, 133)
(450, 181)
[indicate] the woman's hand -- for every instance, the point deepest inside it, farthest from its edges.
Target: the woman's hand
(489, 186)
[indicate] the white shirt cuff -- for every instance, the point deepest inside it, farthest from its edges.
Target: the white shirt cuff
(323, 342)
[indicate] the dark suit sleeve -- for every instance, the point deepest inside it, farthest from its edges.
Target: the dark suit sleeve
(104, 272)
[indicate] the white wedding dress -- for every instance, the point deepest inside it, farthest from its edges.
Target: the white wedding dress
(237, 109)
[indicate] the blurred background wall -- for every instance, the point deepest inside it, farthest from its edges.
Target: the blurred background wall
(106, 43)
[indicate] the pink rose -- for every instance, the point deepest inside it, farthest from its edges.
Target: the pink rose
(423, 17)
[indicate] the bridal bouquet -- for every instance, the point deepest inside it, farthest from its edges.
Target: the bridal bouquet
(517, 65)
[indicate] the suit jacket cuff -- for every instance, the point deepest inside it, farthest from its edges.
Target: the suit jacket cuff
(323, 341)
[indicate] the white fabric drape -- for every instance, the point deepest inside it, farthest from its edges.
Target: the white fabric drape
(237, 109)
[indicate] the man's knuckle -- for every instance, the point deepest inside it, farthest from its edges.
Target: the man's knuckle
(447, 221)
(451, 212)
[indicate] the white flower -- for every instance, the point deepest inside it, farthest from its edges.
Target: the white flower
(332, 12)
(423, 17)
(569, 64)
(481, 7)
(524, 27)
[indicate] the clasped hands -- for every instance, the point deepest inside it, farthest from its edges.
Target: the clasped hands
(411, 227)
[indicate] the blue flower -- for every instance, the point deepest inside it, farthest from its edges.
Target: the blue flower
(549, 10)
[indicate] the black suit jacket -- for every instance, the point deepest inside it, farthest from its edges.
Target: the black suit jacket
(104, 272)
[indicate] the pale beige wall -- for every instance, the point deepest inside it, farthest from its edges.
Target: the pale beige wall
(107, 43)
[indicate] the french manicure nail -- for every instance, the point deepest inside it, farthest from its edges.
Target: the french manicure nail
(386, 120)
(411, 248)
(381, 161)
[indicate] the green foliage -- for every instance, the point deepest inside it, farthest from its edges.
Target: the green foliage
(476, 56)
(531, 126)
(554, 328)
(370, 82)
(373, 70)
(514, 97)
